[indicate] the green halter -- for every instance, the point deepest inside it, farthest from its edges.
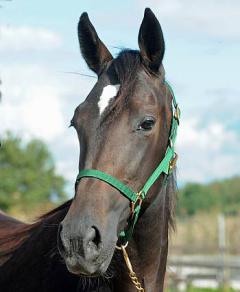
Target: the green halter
(165, 167)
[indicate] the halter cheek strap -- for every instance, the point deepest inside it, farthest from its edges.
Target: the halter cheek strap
(165, 167)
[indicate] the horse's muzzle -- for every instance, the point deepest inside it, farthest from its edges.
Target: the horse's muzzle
(82, 253)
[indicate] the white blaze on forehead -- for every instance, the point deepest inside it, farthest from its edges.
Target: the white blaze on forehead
(109, 92)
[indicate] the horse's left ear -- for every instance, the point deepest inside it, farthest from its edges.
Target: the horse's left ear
(151, 41)
(92, 48)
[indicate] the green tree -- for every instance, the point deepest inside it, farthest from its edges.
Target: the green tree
(194, 197)
(223, 196)
(27, 175)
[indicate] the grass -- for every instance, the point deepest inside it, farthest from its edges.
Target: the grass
(192, 289)
(199, 234)
(208, 290)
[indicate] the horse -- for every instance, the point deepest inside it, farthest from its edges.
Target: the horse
(124, 128)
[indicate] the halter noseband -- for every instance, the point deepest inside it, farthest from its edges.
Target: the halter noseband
(166, 166)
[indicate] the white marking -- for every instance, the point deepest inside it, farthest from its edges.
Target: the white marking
(109, 92)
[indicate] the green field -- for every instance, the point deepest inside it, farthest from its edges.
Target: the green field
(205, 290)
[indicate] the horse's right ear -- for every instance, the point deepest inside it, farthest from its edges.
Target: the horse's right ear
(92, 48)
(151, 42)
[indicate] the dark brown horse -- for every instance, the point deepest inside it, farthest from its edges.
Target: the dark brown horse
(123, 127)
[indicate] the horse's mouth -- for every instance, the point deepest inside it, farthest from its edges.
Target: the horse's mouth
(83, 274)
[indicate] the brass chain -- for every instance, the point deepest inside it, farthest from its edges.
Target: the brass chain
(132, 274)
(136, 282)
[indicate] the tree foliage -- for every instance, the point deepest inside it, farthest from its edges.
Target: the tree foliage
(27, 175)
(223, 196)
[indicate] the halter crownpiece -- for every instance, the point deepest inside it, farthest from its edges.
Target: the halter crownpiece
(166, 166)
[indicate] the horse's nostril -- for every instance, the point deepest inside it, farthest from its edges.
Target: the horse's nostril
(97, 238)
(93, 236)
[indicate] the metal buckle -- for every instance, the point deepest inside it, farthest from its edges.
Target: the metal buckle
(137, 203)
(177, 114)
(173, 162)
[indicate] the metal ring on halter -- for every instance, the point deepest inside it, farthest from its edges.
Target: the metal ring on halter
(177, 114)
(173, 162)
(138, 202)
(122, 246)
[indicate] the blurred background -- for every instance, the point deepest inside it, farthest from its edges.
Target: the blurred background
(40, 87)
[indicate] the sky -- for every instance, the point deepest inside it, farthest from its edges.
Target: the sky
(39, 45)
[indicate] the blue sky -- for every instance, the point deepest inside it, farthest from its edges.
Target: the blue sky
(38, 43)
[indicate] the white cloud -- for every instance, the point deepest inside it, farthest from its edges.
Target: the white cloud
(208, 152)
(214, 18)
(39, 102)
(31, 102)
(24, 38)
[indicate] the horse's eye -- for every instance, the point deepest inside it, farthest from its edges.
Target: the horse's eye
(147, 124)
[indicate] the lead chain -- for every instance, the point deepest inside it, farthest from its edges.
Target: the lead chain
(132, 274)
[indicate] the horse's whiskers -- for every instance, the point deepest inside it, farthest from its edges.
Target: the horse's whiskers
(52, 252)
(81, 74)
(51, 225)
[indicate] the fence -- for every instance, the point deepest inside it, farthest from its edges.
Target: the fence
(204, 271)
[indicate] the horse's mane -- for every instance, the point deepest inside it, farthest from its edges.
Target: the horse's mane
(14, 233)
(172, 191)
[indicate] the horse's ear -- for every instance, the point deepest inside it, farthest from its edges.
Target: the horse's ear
(151, 41)
(92, 48)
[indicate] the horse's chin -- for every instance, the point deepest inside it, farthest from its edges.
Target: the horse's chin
(81, 268)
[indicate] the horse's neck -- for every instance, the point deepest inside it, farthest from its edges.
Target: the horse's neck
(149, 247)
(35, 265)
